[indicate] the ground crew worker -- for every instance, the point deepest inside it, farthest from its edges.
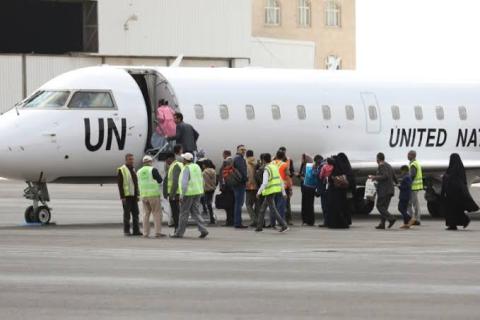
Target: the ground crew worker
(272, 185)
(171, 189)
(191, 190)
(280, 201)
(128, 188)
(417, 185)
(288, 186)
(149, 181)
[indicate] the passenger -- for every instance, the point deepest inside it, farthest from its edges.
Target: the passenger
(191, 189)
(325, 172)
(341, 187)
(149, 181)
(404, 197)
(271, 186)
(240, 165)
(280, 201)
(259, 180)
(171, 186)
(252, 188)
(385, 178)
(128, 188)
(185, 135)
(288, 186)
(417, 186)
(309, 187)
(226, 200)
(166, 126)
(305, 160)
(456, 194)
(210, 184)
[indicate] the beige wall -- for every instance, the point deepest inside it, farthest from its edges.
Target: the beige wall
(339, 41)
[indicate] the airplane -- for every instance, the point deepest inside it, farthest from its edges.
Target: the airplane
(77, 127)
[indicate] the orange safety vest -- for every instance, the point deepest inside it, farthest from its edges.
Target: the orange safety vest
(282, 168)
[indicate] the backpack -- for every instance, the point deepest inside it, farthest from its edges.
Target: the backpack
(259, 175)
(232, 177)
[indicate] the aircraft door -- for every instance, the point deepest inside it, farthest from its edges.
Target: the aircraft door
(372, 112)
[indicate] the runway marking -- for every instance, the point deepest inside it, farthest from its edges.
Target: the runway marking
(167, 283)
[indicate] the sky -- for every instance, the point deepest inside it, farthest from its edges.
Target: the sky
(424, 37)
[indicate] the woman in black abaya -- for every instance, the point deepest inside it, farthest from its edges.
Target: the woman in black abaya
(338, 195)
(455, 194)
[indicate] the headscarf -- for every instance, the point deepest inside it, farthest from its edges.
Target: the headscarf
(456, 168)
(342, 165)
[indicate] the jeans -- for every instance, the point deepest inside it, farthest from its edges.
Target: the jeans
(403, 208)
(280, 203)
(270, 202)
(239, 193)
(130, 207)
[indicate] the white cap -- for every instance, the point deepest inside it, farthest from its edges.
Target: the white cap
(187, 156)
(147, 159)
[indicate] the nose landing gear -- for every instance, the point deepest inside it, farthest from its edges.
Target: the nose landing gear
(38, 193)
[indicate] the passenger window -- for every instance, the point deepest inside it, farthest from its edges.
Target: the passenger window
(327, 113)
(395, 113)
(88, 99)
(462, 112)
(372, 113)
(301, 112)
(250, 110)
(223, 112)
(440, 113)
(350, 113)
(199, 114)
(418, 113)
(276, 115)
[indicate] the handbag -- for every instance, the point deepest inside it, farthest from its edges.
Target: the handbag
(220, 201)
(341, 182)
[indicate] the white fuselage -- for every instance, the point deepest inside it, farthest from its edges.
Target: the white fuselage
(305, 111)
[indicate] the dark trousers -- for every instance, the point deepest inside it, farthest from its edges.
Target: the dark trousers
(383, 203)
(288, 206)
(269, 201)
(175, 208)
(308, 199)
(208, 203)
(403, 208)
(323, 200)
(130, 208)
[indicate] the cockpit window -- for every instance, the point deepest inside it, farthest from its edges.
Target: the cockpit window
(89, 99)
(47, 99)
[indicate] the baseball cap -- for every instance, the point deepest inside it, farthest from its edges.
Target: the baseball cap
(187, 156)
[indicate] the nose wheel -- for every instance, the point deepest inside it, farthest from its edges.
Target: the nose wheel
(38, 193)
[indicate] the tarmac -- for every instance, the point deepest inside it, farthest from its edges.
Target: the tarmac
(82, 267)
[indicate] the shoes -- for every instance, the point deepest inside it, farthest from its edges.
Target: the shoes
(203, 235)
(391, 223)
(258, 230)
(274, 227)
(252, 225)
(290, 223)
(452, 228)
(160, 235)
(412, 222)
(417, 223)
(137, 234)
(171, 225)
(227, 225)
(241, 227)
(267, 226)
(381, 226)
(466, 224)
(175, 236)
(213, 222)
(284, 229)
(322, 225)
(127, 234)
(405, 226)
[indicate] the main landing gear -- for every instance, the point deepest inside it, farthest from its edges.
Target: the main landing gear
(39, 212)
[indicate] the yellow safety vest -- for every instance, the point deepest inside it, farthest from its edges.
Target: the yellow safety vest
(170, 176)
(128, 185)
(148, 186)
(417, 183)
(274, 181)
(195, 183)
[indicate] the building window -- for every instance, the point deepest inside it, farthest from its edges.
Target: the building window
(349, 112)
(332, 62)
(272, 13)
(250, 111)
(372, 113)
(462, 113)
(199, 114)
(304, 13)
(301, 112)
(418, 113)
(440, 113)
(395, 113)
(276, 115)
(326, 112)
(332, 13)
(223, 112)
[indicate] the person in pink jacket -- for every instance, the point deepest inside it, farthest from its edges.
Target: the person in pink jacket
(166, 126)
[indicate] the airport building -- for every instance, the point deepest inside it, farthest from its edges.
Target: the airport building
(42, 39)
